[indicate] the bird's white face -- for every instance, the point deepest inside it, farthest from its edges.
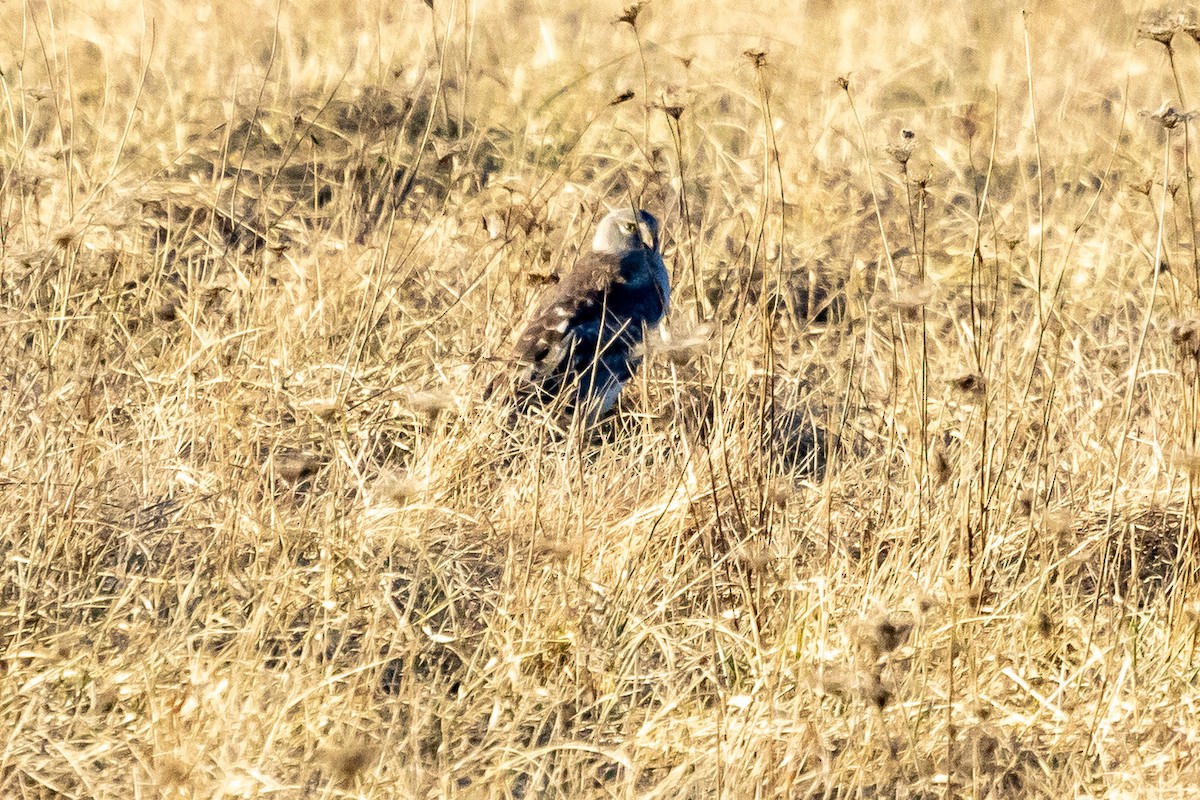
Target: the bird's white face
(624, 230)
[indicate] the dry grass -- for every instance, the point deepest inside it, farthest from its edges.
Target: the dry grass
(262, 535)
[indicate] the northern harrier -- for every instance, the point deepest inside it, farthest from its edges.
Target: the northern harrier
(582, 341)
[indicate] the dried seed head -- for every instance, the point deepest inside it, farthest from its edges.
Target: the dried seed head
(630, 14)
(966, 124)
(1161, 27)
(1025, 503)
(105, 699)
(168, 311)
(323, 408)
(1185, 335)
(780, 493)
(1143, 187)
(1058, 523)
(431, 402)
(559, 550)
(1192, 611)
(843, 82)
(623, 97)
(296, 466)
(674, 112)
(753, 556)
(65, 237)
(1168, 117)
(878, 694)
(347, 761)
(171, 772)
(886, 634)
(899, 154)
(834, 682)
(970, 382)
(398, 486)
(684, 348)
(757, 57)
(901, 150)
(1185, 460)
(913, 298)
(1160, 31)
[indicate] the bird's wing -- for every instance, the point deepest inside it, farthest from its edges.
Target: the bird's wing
(573, 303)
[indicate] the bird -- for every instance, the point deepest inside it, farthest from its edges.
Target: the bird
(581, 345)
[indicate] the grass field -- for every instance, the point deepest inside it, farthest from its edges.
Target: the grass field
(264, 534)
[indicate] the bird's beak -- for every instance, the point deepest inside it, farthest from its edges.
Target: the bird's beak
(646, 236)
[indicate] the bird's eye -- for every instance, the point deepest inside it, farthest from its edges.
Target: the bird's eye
(630, 227)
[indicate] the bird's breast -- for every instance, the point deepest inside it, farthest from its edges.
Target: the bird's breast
(639, 301)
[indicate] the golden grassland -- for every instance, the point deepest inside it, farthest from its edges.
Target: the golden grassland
(264, 535)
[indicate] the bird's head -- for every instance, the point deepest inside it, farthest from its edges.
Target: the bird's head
(624, 230)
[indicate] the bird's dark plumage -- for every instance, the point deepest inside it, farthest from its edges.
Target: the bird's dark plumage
(581, 341)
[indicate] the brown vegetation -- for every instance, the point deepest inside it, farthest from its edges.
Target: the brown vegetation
(901, 503)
